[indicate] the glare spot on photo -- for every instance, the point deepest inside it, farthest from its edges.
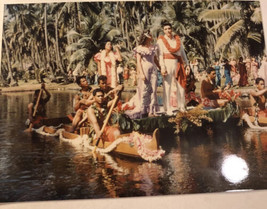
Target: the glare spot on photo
(234, 169)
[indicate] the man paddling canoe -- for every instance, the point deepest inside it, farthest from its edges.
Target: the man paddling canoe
(82, 101)
(97, 114)
(36, 109)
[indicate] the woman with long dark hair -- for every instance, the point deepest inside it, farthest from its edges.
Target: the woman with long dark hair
(106, 63)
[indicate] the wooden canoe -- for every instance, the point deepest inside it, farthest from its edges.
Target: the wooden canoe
(133, 144)
(262, 122)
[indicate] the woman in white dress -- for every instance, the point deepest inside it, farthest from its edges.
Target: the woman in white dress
(262, 73)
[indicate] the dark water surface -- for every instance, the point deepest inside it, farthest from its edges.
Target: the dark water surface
(35, 167)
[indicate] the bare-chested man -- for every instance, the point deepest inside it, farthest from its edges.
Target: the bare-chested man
(97, 114)
(37, 119)
(82, 101)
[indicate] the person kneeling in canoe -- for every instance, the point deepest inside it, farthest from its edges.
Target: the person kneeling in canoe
(209, 93)
(109, 92)
(36, 109)
(97, 113)
(259, 97)
(81, 102)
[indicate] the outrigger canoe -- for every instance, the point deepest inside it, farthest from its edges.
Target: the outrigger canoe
(133, 144)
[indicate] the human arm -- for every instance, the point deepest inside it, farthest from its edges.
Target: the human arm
(208, 91)
(140, 69)
(82, 103)
(118, 53)
(156, 62)
(183, 55)
(30, 112)
(48, 95)
(258, 93)
(93, 120)
(99, 67)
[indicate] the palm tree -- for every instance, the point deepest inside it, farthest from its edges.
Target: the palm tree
(10, 74)
(237, 23)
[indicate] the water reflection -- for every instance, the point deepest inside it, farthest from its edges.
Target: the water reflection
(33, 167)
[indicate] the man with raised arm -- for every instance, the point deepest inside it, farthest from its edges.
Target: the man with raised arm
(81, 101)
(38, 103)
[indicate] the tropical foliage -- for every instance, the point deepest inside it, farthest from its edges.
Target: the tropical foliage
(54, 38)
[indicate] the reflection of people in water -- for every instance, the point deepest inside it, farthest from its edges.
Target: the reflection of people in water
(114, 174)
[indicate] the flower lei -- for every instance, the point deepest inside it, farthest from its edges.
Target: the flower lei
(113, 64)
(167, 45)
(134, 139)
(96, 111)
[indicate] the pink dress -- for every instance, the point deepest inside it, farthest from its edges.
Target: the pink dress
(145, 100)
(108, 63)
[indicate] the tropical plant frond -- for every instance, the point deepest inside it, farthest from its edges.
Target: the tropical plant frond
(112, 33)
(73, 34)
(219, 14)
(254, 36)
(86, 42)
(226, 37)
(218, 25)
(79, 55)
(169, 12)
(256, 16)
(73, 47)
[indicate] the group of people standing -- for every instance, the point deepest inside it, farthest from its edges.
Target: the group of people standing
(240, 73)
(167, 56)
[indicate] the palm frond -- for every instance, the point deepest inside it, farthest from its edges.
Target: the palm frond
(219, 14)
(226, 37)
(256, 16)
(73, 47)
(218, 25)
(79, 55)
(86, 42)
(254, 36)
(73, 34)
(112, 33)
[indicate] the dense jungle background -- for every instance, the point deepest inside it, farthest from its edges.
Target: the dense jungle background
(53, 38)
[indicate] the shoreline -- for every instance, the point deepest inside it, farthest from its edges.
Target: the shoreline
(33, 85)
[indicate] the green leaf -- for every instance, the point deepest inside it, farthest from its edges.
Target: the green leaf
(256, 16)
(255, 36)
(219, 14)
(226, 37)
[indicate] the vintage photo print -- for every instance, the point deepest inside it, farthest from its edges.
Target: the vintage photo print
(133, 104)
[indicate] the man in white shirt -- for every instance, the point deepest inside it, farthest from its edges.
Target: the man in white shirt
(172, 58)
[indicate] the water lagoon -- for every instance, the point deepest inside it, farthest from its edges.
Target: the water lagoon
(36, 167)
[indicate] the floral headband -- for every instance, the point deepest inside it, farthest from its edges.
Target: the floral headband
(147, 34)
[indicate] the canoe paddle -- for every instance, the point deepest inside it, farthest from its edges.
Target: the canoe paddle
(35, 110)
(107, 119)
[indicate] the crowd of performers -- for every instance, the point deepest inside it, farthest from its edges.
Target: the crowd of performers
(91, 105)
